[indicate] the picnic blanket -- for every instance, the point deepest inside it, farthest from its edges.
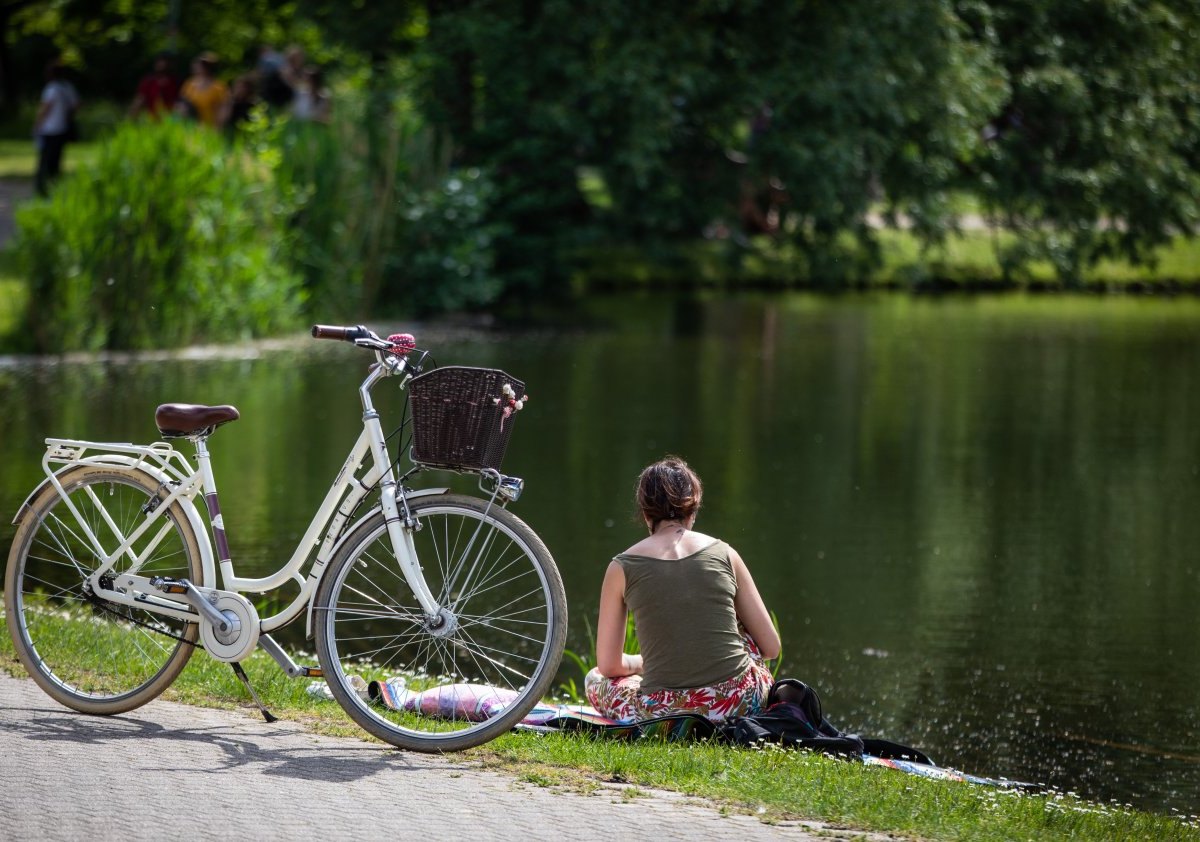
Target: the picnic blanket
(478, 702)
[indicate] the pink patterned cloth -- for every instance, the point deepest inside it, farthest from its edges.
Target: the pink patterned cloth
(472, 702)
(742, 695)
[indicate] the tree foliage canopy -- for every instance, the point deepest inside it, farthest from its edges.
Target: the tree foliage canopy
(1095, 150)
(1072, 122)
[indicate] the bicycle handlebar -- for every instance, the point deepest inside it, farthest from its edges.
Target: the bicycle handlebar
(346, 334)
(398, 344)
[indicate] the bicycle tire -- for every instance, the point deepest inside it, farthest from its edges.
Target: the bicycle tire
(508, 629)
(91, 655)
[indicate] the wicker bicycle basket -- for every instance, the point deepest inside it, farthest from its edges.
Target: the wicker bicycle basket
(459, 417)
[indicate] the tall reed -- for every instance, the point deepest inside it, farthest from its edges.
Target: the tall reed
(382, 222)
(168, 238)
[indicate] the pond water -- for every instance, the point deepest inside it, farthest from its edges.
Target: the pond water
(977, 519)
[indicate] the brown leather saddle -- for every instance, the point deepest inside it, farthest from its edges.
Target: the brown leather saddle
(178, 420)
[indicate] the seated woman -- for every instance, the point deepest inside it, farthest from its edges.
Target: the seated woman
(702, 626)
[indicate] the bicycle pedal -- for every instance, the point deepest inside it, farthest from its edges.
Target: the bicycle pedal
(169, 585)
(311, 672)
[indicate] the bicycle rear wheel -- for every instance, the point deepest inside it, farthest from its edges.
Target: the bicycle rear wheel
(89, 654)
(460, 683)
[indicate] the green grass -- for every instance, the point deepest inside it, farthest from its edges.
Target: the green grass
(13, 292)
(967, 261)
(971, 258)
(781, 784)
(771, 783)
(18, 158)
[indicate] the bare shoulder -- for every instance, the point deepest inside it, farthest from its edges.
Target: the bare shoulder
(671, 547)
(694, 542)
(735, 561)
(646, 546)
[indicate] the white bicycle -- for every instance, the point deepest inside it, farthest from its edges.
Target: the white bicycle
(112, 577)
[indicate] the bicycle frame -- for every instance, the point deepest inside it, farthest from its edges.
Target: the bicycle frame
(183, 482)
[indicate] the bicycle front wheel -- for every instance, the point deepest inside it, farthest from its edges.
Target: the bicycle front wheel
(473, 673)
(87, 653)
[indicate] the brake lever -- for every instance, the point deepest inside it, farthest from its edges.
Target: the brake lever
(372, 342)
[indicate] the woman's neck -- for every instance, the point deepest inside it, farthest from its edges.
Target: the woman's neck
(670, 540)
(669, 527)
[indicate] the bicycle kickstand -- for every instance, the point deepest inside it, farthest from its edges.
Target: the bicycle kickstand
(241, 674)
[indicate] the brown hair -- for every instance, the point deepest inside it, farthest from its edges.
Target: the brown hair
(668, 490)
(209, 61)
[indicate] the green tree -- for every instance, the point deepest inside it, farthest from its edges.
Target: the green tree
(503, 82)
(110, 42)
(1074, 121)
(10, 10)
(1094, 153)
(864, 96)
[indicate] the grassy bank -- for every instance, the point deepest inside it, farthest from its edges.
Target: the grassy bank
(771, 783)
(18, 158)
(967, 261)
(965, 264)
(13, 292)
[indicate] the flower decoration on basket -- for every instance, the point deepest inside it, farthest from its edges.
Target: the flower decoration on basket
(510, 402)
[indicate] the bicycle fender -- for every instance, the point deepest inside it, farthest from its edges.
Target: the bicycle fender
(346, 538)
(207, 561)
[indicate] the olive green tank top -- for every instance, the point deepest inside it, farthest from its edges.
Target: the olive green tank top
(686, 621)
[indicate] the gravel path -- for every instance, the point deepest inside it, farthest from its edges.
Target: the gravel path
(12, 191)
(170, 771)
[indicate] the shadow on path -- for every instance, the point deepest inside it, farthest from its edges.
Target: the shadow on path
(248, 748)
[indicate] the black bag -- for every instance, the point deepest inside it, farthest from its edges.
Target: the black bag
(785, 723)
(793, 717)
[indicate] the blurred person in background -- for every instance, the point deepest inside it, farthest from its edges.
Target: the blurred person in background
(311, 102)
(203, 95)
(158, 90)
(242, 103)
(54, 125)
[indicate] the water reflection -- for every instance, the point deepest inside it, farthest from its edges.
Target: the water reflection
(973, 517)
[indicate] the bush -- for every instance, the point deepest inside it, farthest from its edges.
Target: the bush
(381, 223)
(169, 238)
(341, 218)
(443, 258)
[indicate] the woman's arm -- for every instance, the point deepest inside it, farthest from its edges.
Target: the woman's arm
(751, 611)
(611, 659)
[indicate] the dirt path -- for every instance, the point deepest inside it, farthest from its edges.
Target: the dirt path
(12, 191)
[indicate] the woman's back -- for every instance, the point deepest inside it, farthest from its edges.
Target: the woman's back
(684, 611)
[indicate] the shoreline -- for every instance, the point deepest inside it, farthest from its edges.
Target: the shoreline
(780, 789)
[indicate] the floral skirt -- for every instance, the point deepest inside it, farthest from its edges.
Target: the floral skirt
(742, 695)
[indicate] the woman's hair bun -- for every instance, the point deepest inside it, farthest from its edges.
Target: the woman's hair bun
(668, 490)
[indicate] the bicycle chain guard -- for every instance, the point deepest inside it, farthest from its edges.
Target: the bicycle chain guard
(237, 643)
